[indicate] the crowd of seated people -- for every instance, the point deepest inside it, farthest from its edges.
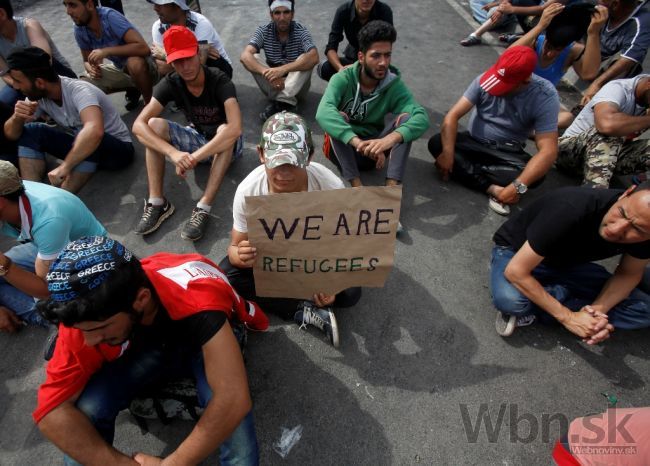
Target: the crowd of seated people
(110, 312)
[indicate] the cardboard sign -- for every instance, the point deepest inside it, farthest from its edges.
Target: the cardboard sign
(323, 241)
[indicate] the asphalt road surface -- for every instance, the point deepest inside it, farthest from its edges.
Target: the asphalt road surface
(419, 359)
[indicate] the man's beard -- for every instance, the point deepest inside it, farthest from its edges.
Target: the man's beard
(369, 73)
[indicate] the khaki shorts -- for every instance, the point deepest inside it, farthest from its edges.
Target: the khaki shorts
(115, 79)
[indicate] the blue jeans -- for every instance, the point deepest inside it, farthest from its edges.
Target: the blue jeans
(111, 390)
(574, 286)
(39, 138)
(23, 255)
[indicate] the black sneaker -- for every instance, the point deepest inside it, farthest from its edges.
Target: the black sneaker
(132, 98)
(322, 318)
(269, 110)
(153, 216)
(195, 226)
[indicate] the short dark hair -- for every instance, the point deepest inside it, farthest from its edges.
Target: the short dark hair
(570, 25)
(6, 5)
(113, 296)
(95, 2)
(376, 31)
(293, 5)
(34, 63)
(15, 196)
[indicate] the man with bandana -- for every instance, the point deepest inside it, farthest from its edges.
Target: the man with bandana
(126, 325)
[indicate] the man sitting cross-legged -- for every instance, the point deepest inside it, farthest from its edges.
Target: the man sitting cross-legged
(285, 151)
(209, 101)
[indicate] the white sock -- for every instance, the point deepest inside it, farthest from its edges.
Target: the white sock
(156, 200)
(203, 206)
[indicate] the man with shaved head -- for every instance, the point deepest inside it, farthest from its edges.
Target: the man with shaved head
(543, 262)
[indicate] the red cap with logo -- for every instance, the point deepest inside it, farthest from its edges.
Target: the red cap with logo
(179, 42)
(513, 67)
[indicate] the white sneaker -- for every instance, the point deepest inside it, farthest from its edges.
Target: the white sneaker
(505, 324)
(499, 207)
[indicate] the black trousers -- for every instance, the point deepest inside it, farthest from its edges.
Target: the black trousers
(477, 165)
(243, 282)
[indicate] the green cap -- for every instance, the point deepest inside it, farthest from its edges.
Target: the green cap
(286, 139)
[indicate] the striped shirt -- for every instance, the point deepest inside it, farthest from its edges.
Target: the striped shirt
(631, 39)
(280, 53)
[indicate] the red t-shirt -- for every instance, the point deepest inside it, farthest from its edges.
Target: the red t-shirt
(186, 285)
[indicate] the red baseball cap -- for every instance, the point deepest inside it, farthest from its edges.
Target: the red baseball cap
(514, 66)
(179, 42)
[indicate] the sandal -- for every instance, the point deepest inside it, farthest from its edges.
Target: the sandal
(470, 40)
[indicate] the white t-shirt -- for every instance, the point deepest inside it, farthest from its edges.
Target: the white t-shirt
(620, 92)
(200, 26)
(319, 178)
(78, 95)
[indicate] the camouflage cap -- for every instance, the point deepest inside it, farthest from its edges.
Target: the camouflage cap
(286, 138)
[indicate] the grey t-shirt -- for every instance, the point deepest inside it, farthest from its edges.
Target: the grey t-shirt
(77, 95)
(22, 40)
(512, 118)
(620, 92)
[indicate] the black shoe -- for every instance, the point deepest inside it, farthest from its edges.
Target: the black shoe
(269, 110)
(320, 317)
(153, 216)
(285, 107)
(195, 226)
(132, 98)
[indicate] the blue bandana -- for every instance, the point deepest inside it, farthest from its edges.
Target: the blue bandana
(83, 265)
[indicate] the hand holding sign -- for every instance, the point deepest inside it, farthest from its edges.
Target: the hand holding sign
(320, 243)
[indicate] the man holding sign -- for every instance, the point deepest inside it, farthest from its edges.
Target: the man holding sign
(285, 151)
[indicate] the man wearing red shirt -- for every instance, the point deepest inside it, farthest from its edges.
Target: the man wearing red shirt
(125, 325)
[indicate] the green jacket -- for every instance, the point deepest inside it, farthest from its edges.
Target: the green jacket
(366, 116)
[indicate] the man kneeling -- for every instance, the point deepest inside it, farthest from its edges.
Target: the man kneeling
(126, 325)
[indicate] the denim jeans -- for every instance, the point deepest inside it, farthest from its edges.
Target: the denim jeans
(574, 286)
(24, 256)
(39, 138)
(112, 388)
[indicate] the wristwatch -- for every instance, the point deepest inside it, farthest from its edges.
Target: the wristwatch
(4, 269)
(520, 187)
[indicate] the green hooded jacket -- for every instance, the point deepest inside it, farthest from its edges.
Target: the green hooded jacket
(366, 114)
